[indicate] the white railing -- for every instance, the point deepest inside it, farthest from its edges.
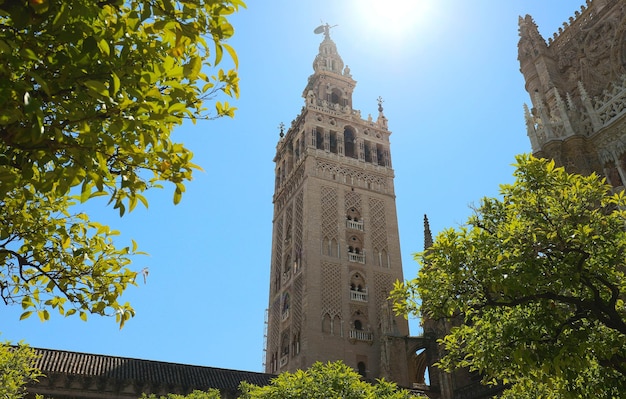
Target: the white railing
(284, 360)
(285, 315)
(358, 296)
(351, 224)
(359, 258)
(361, 335)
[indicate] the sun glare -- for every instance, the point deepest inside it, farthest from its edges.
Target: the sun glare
(391, 19)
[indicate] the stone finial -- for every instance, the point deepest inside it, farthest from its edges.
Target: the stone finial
(282, 130)
(380, 103)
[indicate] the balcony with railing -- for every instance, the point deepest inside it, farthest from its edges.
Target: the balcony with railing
(360, 335)
(358, 296)
(353, 224)
(355, 257)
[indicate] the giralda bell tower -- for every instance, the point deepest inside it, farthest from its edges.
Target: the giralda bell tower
(335, 245)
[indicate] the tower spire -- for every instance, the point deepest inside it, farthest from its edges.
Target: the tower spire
(428, 237)
(328, 59)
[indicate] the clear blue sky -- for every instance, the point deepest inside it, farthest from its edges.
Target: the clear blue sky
(448, 73)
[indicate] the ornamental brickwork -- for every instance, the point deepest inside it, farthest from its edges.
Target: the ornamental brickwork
(577, 85)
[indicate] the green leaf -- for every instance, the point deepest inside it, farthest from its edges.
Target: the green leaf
(43, 315)
(176, 108)
(26, 315)
(115, 88)
(192, 69)
(97, 87)
(103, 45)
(232, 53)
(178, 194)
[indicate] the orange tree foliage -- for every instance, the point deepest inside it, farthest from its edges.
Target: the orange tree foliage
(320, 381)
(90, 91)
(538, 277)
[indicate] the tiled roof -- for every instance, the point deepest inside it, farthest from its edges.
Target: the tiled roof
(52, 361)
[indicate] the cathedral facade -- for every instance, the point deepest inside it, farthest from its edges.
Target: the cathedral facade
(335, 244)
(577, 84)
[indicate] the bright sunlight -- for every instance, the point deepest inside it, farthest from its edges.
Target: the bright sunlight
(392, 19)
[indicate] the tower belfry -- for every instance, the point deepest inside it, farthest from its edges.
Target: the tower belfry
(335, 244)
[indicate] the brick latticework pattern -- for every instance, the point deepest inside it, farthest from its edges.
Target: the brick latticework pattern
(353, 200)
(297, 233)
(331, 289)
(382, 287)
(278, 250)
(274, 325)
(289, 224)
(296, 302)
(378, 224)
(330, 213)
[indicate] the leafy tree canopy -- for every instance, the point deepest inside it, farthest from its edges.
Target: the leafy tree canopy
(16, 370)
(321, 381)
(89, 94)
(538, 279)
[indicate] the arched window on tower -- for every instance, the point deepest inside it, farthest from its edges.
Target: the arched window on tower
(286, 305)
(335, 96)
(355, 252)
(284, 350)
(333, 142)
(295, 344)
(349, 142)
(319, 139)
(287, 268)
(377, 257)
(276, 279)
(336, 326)
(384, 258)
(326, 323)
(360, 329)
(368, 151)
(330, 247)
(326, 248)
(362, 369)
(353, 219)
(358, 289)
(380, 155)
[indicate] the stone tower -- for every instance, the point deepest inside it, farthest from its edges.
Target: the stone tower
(577, 85)
(335, 244)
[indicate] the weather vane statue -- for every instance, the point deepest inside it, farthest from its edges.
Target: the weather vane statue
(324, 28)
